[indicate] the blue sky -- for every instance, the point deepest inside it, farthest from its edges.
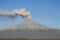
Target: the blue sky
(46, 12)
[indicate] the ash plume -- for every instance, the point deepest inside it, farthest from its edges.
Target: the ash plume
(22, 12)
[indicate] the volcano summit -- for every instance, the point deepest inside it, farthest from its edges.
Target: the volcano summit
(30, 24)
(29, 28)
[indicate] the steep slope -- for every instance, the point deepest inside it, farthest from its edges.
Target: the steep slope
(30, 24)
(30, 29)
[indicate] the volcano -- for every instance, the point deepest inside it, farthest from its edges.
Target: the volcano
(30, 29)
(30, 24)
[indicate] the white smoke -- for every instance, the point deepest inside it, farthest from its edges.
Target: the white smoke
(22, 12)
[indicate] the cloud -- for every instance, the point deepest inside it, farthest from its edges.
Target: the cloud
(23, 12)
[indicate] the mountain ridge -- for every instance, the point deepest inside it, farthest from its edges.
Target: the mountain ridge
(29, 24)
(30, 29)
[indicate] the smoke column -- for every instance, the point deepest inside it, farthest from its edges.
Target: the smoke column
(22, 12)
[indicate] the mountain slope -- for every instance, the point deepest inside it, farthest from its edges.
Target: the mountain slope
(26, 33)
(30, 29)
(29, 24)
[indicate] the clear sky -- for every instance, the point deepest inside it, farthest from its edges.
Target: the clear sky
(46, 12)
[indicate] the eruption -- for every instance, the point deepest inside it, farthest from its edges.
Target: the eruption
(23, 12)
